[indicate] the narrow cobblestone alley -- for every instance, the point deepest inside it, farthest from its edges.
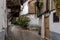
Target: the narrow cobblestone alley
(16, 33)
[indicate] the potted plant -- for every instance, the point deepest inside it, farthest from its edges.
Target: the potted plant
(23, 21)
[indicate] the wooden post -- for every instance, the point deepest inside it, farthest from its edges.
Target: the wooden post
(46, 25)
(46, 21)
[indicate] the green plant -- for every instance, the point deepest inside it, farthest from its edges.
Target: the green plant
(23, 21)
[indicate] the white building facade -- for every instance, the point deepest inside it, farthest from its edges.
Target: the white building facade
(3, 14)
(54, 24)
(3, 18)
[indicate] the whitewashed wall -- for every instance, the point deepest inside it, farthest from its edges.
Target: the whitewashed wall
(54, 27)
(25, 8)
(33, 20)
(3, 18)
(42, 26)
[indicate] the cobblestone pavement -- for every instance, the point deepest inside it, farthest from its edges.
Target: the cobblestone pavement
(55, 36)
(16, 33)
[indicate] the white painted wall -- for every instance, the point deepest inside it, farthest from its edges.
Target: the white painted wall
(42, 26)
(25, 8)
(54, 27)
(33, 19)
(3, 18)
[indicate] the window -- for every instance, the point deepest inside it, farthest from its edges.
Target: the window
(55, 18)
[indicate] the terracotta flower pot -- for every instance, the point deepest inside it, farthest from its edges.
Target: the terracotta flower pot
(25, 28)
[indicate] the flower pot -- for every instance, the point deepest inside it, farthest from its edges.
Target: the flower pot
(25, 28)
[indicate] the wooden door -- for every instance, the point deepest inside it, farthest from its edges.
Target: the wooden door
(46, 24)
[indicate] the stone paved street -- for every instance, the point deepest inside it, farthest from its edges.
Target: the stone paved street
(55, 36)
(16, 33)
